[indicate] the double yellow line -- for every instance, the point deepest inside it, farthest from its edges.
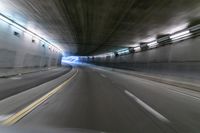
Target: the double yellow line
(19, 115)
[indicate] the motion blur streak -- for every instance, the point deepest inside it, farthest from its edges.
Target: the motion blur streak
(138, 65)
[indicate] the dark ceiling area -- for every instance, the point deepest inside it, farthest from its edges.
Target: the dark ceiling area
(85, 27)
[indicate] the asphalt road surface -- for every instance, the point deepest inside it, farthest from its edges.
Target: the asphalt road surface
(14, 85)
(109, 101)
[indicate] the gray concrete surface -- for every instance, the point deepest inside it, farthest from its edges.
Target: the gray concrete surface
(182, 82)
(181, 59)
(4, 73)
(20, 51)
(86, 27)
(115, 102)
(14, 103)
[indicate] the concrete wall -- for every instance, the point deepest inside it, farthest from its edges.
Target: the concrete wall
(182, 58)
(20, 51)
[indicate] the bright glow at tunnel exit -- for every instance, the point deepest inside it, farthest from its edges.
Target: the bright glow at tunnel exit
(70, 59)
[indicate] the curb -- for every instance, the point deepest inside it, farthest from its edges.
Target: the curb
(12, 75)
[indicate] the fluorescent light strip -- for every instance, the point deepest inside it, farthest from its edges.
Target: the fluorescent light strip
(180, 35)
(110, 54)
(135, 45)
(152, 44)
(137, 49)
(105, 55)
(5, 19)
(18, 26)
(123, 51)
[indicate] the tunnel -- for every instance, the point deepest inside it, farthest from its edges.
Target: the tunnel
(99, 66)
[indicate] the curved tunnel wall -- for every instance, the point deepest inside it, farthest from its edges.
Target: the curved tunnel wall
(17, 49)
(182, 58)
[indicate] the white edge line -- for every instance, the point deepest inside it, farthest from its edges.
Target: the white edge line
(173, 90)
(4, 117)
(103, 75)
(147, 107)
(184, 93)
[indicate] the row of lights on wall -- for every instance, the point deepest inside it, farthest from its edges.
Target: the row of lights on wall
(168, 39)
(34, 35)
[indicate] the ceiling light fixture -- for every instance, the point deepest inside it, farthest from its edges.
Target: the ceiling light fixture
(137, 49)
(123, 51)
(180, 35)
(135, 45)
(152, 44)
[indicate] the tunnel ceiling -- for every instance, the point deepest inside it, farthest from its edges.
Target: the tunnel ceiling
(86, 27)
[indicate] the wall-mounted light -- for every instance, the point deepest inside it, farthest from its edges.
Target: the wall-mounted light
(5, 19)
(195, 28)
(137, 49)
(110, 54)
(152, 44)
(180, 35)
(123, 51)
(135, 45)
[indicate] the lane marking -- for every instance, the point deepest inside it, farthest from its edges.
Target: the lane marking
(172, 90)
(103, 75)
(19, 115)
(147, 107)
(184, 94)
(4, 117)
(15, 78)
(181, 92)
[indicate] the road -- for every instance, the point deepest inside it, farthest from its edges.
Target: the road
(14, 85)
(109, 101)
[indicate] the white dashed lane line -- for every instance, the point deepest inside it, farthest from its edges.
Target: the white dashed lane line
(15, 78)
(147, 107)
(103, 75)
